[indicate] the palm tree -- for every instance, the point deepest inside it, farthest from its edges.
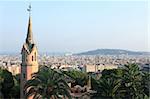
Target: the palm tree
(132, 82)
(47, 84)
(146, 83)
(108, 87)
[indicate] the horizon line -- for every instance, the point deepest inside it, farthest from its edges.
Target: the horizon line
(63, 52)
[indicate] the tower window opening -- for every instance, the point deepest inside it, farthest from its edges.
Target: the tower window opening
(35, 56)
(24, 57)
(24, 75)
(32, 58)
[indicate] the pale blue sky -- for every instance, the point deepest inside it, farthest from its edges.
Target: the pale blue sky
(75, 26)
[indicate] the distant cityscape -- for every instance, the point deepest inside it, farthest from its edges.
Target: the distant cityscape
(81, 61)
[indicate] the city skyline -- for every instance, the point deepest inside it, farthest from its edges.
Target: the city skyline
(64, 26)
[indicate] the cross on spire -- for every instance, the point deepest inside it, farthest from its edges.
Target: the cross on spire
(29, 39)
(29, 9)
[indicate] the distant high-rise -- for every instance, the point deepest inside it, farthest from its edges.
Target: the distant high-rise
(29, 53)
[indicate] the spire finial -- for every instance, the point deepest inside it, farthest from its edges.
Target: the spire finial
(29, 9)
(29, 38)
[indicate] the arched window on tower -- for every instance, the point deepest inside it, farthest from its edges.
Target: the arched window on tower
(23, 57)
(32, 58)
(24, 75)
(35, 56)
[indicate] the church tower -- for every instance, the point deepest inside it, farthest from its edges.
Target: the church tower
(29, 54)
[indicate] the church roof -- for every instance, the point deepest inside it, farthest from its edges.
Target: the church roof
(29, 39)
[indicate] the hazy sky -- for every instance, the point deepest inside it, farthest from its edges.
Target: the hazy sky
(75, 26)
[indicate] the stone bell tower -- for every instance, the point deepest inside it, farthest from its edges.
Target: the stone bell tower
(29, 54)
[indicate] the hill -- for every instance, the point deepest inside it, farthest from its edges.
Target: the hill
(112, 52)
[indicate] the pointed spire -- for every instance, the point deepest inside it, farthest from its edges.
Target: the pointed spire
(29, 39)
